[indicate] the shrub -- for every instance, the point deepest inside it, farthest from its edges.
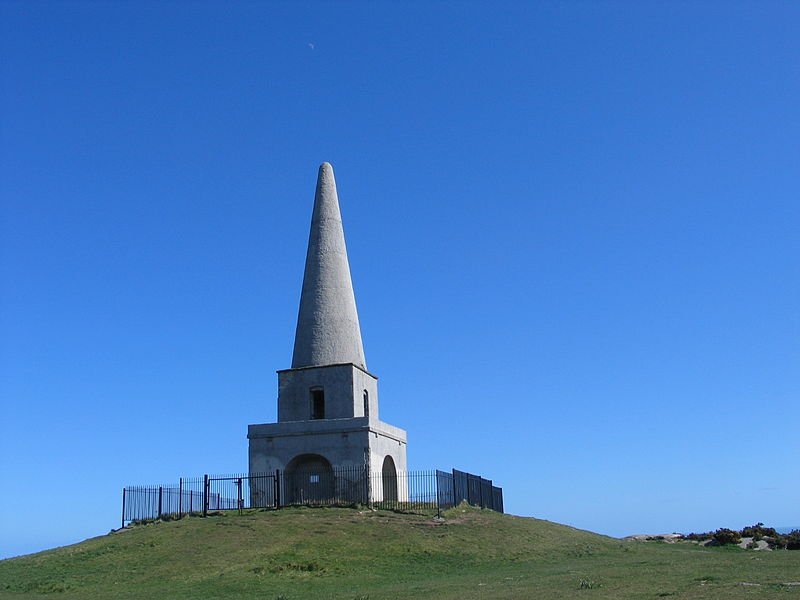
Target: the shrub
(793, 540)
(725, 536)
(699, 537)
(758, 531)
(777, 542)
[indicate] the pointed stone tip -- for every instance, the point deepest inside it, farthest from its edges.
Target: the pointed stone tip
(326, 183)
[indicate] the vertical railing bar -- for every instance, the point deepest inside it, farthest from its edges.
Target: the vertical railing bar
(205, 495)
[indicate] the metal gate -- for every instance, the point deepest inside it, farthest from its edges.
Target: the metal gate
(241, 492)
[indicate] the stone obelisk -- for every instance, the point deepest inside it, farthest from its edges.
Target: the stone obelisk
(327, 326)
(328, 427)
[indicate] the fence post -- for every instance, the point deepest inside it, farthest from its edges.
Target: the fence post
(205, 495)
(160, 493)
(277, 488)
(367, 486)
(123, 508)
(239, 494)
(436, 487)
(180, 498)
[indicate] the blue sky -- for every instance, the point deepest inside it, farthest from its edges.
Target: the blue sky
(573, 234)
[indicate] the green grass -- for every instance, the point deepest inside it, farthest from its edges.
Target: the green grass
(305, 553)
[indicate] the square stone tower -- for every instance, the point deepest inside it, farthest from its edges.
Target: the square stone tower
(327, 401)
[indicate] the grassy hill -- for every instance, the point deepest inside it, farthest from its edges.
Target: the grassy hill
(305, 553)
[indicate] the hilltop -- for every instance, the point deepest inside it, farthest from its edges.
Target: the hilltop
(308, 553)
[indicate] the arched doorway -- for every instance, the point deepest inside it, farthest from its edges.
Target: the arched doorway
(389, 480)
(308, 480)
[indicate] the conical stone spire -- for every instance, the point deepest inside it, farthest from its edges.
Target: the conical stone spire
(327, 325)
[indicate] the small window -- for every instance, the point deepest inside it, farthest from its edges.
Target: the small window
(318, 404)
(313, 479)
(366, 403)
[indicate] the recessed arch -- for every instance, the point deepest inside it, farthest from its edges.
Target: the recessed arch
(308, 478)
(389, 476)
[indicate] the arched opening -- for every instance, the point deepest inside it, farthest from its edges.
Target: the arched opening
(366, 403)
(389, 480)
(308, 479)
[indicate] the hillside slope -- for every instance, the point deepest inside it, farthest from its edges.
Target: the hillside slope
(305, 553)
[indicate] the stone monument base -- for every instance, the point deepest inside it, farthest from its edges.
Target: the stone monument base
(319, 458)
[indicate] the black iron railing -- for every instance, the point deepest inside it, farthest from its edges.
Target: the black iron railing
(431, 491)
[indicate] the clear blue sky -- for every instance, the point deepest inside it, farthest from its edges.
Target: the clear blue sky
(574, 233)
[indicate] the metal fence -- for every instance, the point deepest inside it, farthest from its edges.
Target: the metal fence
(432, 491)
